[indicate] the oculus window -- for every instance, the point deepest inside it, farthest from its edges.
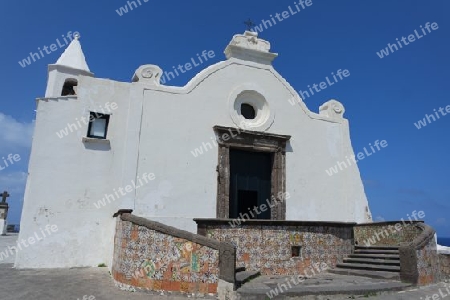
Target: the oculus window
(248, 111)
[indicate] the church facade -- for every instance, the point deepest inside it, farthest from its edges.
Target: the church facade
(235, 138)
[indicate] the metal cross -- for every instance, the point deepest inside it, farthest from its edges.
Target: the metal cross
(249, 24)
(4, 196)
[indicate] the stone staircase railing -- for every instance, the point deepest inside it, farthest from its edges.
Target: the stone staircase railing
(419, 261)
(416, 244)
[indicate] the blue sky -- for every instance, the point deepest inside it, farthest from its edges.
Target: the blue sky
(383, 97)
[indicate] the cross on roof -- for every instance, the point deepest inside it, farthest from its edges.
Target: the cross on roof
(4, 196)
(249, 24)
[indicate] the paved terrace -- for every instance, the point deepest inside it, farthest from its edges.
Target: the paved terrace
(58, 284)
(333, 286)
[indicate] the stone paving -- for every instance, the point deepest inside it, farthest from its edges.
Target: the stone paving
(320, 285)
(332, 286)
(58, 284)
(435, 292)
(96, 284)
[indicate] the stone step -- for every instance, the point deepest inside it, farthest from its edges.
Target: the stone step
(375, 251)
(375, 256)
(375, 261)
(245, 276)
(322, 286)
(377, 247)
(369, 267)
(367, 273)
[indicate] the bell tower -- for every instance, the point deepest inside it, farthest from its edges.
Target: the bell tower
(63, 76)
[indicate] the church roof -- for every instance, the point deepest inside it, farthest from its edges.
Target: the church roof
(73, 56)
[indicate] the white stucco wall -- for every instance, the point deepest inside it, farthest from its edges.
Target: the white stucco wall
(153, 130)
(176, 123)
(66, 177)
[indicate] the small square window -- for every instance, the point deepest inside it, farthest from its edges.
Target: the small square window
(296, 251)
(98, 125)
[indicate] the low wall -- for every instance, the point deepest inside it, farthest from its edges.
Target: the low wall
(266, 245)
(444, 262)
(419, 261)
(386, 233)
(428, 263)
(152, 256)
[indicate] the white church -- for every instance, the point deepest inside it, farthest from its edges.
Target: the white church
(101, 145)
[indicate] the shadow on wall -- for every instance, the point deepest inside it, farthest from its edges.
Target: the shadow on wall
(96, 144)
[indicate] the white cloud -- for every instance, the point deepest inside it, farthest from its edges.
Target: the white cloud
(14, 135)
(379, 219)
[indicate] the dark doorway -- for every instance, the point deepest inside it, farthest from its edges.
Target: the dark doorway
(250, 183)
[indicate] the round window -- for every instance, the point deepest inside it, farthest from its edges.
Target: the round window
(248, 111)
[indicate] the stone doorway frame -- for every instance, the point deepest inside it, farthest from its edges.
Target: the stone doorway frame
(256, 141)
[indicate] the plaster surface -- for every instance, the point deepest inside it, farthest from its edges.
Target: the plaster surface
(3, 225)
(154, 130)
(7, 241)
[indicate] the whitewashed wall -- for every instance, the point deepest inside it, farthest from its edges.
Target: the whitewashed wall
(154, 130)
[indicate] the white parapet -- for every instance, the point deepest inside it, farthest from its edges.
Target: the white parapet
(3, 226)
(443, 249)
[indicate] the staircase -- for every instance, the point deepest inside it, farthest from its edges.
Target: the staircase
(243, 276)
(371, 261)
